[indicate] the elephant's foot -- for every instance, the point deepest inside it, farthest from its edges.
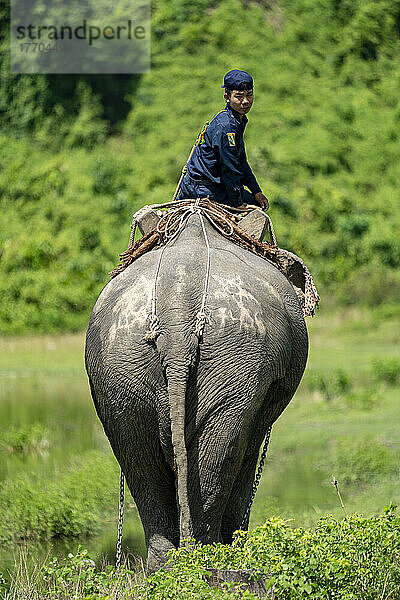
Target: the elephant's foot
(157, 549)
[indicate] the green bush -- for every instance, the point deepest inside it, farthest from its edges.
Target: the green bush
(338, 388)
(72, 504)
(363, 398)
(88, 129)
(33, 438)
(386, 371)
(372, 284)
(350, 559)
(353, 559)
(362, 460)
(78, 576)
(330, 386)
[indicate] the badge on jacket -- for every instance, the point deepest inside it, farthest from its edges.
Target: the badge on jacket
(231, 139)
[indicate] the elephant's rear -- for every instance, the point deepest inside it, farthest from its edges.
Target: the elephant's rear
(218, 391)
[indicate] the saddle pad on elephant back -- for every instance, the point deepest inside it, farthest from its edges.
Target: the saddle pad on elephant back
(160, 222)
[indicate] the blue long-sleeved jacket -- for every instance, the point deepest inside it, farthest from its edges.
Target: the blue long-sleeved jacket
(219, 160)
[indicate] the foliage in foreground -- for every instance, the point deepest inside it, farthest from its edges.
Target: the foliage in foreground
(75, 576)
(350, 559)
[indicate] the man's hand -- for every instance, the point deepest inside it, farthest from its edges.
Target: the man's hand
(262, 200)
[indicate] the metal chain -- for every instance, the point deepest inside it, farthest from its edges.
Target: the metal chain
(118, 555)
(257, 479)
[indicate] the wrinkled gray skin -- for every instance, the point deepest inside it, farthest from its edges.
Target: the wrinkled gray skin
(233, 384)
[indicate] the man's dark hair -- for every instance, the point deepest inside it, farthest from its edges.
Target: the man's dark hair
(240, 88)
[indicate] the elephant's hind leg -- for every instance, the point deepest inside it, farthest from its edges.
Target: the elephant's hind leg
(155, 497)
(242, 488)
(276, 399)
(134, 437)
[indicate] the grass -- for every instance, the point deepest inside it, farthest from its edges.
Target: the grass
(74, 577)
(46, 354)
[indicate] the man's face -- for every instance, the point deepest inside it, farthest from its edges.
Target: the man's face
(241, 101)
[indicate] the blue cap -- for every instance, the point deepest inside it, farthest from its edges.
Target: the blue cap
(234, 78)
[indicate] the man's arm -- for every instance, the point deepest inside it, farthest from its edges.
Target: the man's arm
(231, 165)
(233, 171)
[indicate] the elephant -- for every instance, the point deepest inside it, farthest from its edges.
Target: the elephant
(186, 414)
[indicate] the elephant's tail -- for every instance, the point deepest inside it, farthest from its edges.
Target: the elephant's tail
(177, 384)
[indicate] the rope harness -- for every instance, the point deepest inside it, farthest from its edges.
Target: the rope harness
(169, 228)
(228, 225)
(173, 221)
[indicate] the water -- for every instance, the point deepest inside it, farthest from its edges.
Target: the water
(57, 405)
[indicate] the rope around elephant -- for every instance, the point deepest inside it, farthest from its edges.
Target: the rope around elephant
(224, 222)
(170, 230)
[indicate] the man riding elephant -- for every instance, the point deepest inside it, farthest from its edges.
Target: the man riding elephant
(218, 166)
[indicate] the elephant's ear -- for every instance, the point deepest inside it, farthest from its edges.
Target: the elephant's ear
(300, 277)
